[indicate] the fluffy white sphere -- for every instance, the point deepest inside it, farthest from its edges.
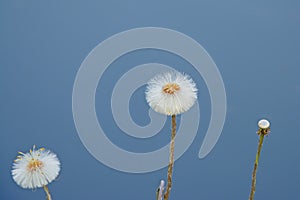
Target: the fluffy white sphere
(35, 168)
(171, 93)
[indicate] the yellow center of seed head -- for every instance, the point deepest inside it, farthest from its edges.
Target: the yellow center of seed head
(171, 88)
(34, 164)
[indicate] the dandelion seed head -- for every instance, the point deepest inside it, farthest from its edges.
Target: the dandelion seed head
(36, 168)
(171, 93)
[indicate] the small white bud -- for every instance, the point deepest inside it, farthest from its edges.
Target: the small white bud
(263, 124)
(161, 189)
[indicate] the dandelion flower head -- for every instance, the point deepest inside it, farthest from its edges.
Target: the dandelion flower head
(171, 93)
(36, 168)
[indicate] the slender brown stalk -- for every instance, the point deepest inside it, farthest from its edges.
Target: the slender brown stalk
(253, 185)
(47, 192)
(171, 161)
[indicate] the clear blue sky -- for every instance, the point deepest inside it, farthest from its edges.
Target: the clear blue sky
(255, 45)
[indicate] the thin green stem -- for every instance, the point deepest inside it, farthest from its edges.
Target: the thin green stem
(253, 185)
(47, 192)
(171, 161)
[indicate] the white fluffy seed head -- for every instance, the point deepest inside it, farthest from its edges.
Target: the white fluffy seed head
(263, 124)
(35, 168)
(171, 93)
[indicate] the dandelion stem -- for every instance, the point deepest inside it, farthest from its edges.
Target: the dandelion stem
(171, 161)
(47, 192)
(261, 139)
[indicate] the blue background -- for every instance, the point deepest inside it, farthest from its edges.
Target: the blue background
(255, 45)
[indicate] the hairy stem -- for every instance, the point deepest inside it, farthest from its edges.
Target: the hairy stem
(261, 139)
(171, 161)
(47, 192)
